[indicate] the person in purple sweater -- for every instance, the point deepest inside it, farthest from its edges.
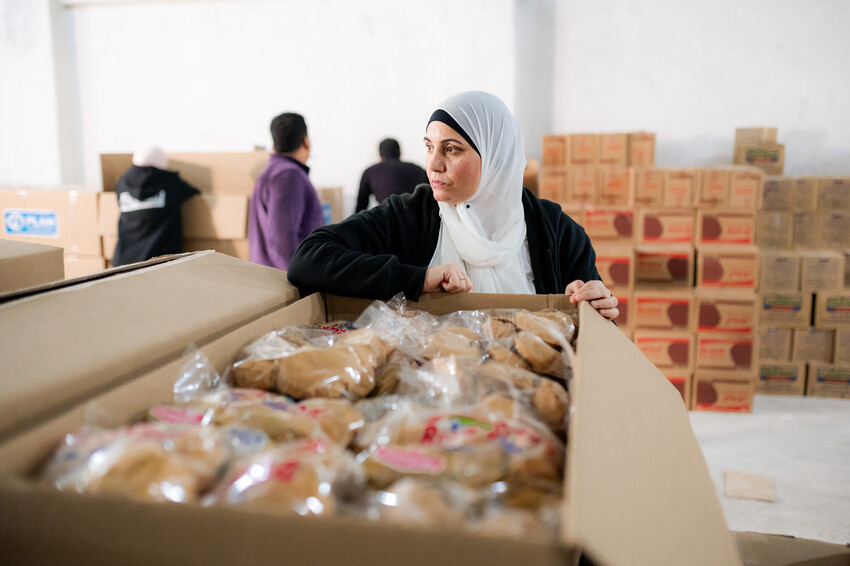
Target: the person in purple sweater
(284, 208)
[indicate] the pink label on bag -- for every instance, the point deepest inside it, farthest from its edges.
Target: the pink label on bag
(177, 416)
(409, 461)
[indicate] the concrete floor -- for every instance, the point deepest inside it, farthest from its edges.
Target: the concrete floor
(803, 444)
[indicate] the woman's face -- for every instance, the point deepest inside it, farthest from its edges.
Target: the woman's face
(454, 168)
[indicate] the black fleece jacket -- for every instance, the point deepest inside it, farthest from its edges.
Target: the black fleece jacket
(380, 252)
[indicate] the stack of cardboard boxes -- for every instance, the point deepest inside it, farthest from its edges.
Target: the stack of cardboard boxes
(84, 221)
(732, 280)
(218, 219)
(757, 147)
(803, 234)
(64, 217)
(655, 230)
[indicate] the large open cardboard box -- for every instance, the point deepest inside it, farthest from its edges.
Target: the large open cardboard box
(71, 341)
(637, 487)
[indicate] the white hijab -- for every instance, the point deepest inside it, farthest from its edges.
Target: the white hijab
(486, 234)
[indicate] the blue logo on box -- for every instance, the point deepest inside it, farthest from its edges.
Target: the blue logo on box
(327, 212)
(31, 222)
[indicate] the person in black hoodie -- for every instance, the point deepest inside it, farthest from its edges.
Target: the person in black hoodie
(149, 198)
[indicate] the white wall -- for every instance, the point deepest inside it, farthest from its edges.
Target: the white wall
(209, 75)
(694, 71)
(29, 137)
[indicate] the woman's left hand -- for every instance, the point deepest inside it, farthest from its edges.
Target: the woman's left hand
(597, 294)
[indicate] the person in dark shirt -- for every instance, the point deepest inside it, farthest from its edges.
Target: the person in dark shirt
(149, 198)
(391, 176)
(474, 229)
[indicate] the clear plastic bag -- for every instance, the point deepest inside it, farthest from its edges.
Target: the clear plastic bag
(302, 477)
(153, 462)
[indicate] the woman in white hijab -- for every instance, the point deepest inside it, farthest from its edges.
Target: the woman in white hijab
(474, 229)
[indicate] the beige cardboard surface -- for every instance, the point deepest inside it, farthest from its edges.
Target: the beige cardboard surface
(553, 184)
(770, 157)
(775, 230)
(62, 218)
(726, 311)
(832, 309)
(785, 309)
(664, 310)
(714, 187)
(745, 185)
(152, 314)
(662, 264)
(333, 197)
(207, 216)
(635, 413)
(665, 226)
(649, 186)
(726, 226)
(223, 217)
(742, 485)
(218, 173)
(680, 187)
(24, 264)
(779, 271)
(235, 248)
(755, 136)
(582, 184)
(82, 265)
(555, 151)
(828, 380)
(775, 343)
(616, 267)
(613, 149)
(612, 225)
(616, 186)
(781, 378)
(642, 149)
(759, 549)
(656, 463)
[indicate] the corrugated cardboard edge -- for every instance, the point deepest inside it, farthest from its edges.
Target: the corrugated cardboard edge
(70, 282)
(759, 549)
(634, 412)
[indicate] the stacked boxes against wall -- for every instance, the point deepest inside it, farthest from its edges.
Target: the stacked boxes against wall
(804, 236)
(218, 218)
(677, 247)
(61, 216)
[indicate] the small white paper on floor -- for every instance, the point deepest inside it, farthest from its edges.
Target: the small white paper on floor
(741, 485)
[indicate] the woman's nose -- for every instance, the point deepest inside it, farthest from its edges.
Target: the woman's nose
(435, 162)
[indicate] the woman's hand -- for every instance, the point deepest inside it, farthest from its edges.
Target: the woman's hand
(597, 294)
(449, 277)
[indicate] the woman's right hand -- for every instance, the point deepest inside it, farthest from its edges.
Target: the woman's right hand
(449, 277)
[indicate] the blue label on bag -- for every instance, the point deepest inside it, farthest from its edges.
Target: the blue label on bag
(31, 222)
(327, 212)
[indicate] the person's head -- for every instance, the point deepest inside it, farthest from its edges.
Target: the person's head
(474, 151)
(150, 156)
(389, 149)
(289, 134)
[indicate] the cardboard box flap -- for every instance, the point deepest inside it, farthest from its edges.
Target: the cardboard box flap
(153, 314)
(759, 549)
(658, 470)
(110, 530)
(24, 264)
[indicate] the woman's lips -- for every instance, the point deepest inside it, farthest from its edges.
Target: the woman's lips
(436, 183)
